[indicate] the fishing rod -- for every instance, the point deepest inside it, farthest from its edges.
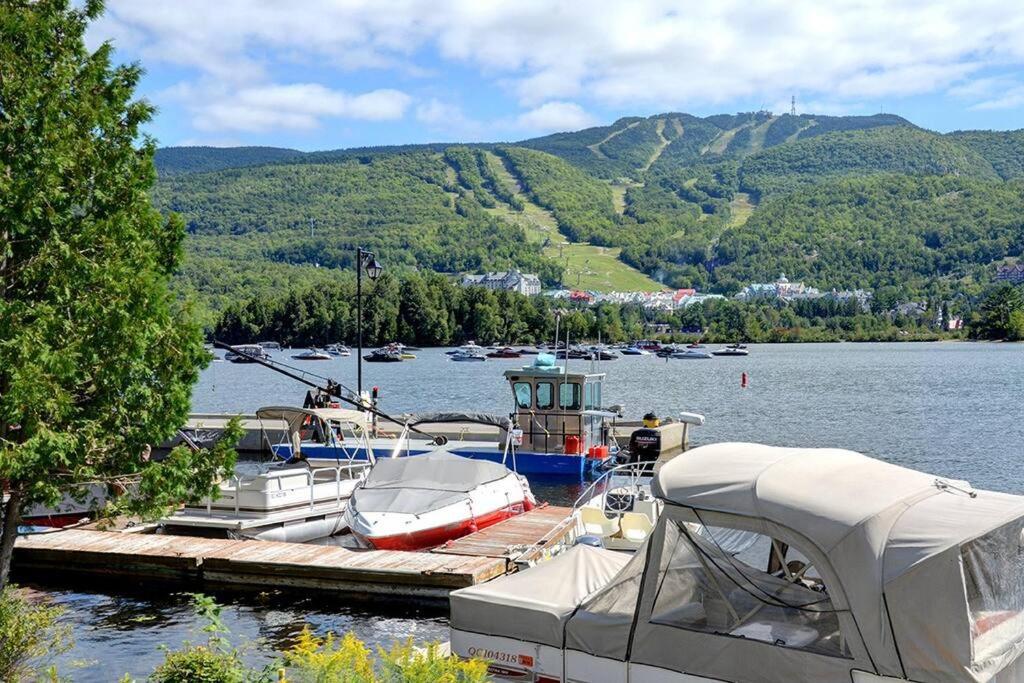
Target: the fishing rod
(329, 389)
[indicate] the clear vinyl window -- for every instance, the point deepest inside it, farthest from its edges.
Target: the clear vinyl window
(569, 396)
(745, 585)
(994, 579)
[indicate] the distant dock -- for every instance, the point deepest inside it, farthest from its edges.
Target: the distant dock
(486, 554)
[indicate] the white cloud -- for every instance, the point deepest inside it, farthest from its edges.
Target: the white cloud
(555, 117)
(297, 106)
(649, 53)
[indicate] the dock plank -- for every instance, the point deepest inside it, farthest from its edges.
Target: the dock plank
(539, 528)
(474, 559)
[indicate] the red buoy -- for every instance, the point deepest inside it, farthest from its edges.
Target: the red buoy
(743, 380)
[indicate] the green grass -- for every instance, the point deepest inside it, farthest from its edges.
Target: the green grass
(587, 267)
(740, 209)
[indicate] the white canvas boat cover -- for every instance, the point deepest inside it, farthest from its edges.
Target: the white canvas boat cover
(534, 605)
(422, 483)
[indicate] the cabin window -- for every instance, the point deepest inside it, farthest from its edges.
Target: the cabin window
(545, 396)
(745, 585)
(524, 394)
(994, 579)
(569, 396)
(592, 396)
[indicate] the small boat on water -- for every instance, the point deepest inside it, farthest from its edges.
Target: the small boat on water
(312, 354)
(384, 355)
(732, 350)
(338, 350)
(247, 352)
(470, 352)
(506, 352)
(691, 353)
(849, 569)
(412, 503)
(634, 351)
(270, 345)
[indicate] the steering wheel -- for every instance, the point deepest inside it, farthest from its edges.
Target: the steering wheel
(618, 500)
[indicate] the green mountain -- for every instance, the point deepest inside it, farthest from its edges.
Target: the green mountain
(672, 199)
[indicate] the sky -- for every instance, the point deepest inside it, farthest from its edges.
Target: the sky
(328, 74)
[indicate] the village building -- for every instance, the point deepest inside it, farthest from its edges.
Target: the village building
(1013, 274)
(512, 281)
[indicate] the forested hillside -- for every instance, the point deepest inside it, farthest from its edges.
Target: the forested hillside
(712, 202)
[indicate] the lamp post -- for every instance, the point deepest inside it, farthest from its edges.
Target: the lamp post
(364, 260)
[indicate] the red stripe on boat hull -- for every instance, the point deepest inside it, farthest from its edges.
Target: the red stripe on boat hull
(431, 538)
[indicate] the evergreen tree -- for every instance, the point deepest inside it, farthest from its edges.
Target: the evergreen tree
(97, 359)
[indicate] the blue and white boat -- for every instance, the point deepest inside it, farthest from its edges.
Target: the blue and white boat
(558, 428)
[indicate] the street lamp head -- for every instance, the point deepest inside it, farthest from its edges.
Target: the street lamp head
(374, 269)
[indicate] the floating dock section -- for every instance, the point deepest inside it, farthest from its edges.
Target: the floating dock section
(479, 557)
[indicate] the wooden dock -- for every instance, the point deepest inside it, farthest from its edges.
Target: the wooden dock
(473, 559)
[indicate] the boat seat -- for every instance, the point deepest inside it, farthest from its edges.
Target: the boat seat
(636, 526)
(595, 522)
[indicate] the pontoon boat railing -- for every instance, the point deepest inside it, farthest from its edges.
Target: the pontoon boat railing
(311, 482)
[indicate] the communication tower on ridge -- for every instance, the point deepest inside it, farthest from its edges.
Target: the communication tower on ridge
(792, 105)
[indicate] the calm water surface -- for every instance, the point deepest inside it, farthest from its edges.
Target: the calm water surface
(952, 409)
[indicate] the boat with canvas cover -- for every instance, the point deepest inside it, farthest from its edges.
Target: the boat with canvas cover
(423, 502)
(862, 572)
(247, 353)
(312, 354)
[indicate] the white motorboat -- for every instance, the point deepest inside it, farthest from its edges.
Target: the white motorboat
(732, 350)
(469, 352)
(691, 353)
(411, 503)
(312, 354)
(618, 508)
(861, 572)
(293, 503)
(246, 353)
(338, 350)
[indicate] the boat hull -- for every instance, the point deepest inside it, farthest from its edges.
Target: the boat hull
(526, 462)
(438, 535)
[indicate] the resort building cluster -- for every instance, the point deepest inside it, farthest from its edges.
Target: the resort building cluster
(781, 289)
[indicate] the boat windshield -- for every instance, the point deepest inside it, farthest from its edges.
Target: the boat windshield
(524, 394)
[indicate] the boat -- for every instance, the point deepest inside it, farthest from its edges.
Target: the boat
(246, 353)
(648, 345)
(562, 425)
(528, 352)
(386, 354)
(695, 345)
(270, 345)
(506, 352)
(75, 506)
(312, 354)
(860, 571)
(599, 352)
(690, 353)
(293, 503)
(732, 350)
(423, 502)
(634, 351)
(618, 509)
(470, 352)
(338, 350)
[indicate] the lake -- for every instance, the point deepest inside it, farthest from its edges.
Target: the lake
(953, 409)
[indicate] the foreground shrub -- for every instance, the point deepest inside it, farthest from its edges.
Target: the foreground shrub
(30, 636)
(348, 660)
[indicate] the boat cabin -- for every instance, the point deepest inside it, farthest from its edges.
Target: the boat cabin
(560, 411)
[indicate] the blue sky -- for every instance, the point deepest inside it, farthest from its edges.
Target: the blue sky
(324, 74)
